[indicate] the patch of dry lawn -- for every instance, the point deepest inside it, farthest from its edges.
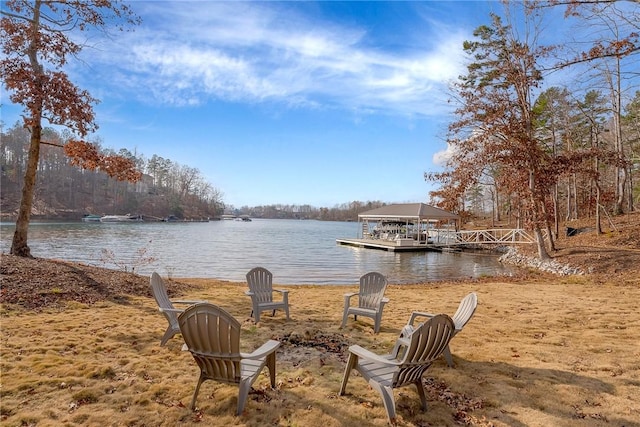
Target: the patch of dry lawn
(540, 352)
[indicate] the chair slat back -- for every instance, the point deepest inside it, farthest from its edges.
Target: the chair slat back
(212, 336)
(465, 310)
(260, 281)
(372, 287)
(159, 291)
(427, 342)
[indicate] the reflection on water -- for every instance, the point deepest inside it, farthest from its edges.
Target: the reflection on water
(295, 251)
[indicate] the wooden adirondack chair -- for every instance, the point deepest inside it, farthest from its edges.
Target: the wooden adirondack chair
(463, 314)
(371, 300)
(260, 281)
(213, 337)
(387, 372)
(166, 306)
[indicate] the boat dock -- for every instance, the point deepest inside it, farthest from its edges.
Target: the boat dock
(419, 227)
(444, 240)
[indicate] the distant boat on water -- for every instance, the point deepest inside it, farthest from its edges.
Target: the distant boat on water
(91, 218)
(121, 218)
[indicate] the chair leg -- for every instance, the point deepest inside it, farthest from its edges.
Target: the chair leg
(421, 393)
(351, 363)
(286, 304)
(169, 333)
(387, 400)
(345, 316)
(376, 324)
(271, 365)
(195, 393)
(447, 356)
(243, 392)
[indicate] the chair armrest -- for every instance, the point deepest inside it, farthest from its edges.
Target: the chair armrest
(249, 293)
(363, 353)
(282, 291)
(170, 310)
(417, 314)
(262, 351)
(347, 298)
(187, 301)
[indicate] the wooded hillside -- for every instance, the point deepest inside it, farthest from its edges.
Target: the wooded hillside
(66, 191)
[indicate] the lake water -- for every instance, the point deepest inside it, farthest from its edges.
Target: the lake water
(296, 252)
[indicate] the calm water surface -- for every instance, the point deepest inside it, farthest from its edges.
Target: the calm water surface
(296, 252)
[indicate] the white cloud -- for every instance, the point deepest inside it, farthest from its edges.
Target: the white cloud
(440, 158)
(257, 51)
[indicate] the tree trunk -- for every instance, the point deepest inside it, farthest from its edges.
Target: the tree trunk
(556, 213)
(598, 223)
(574, 184)
(537, 212)
(19, 245)
(614, 80)
(550, 235)
(542, 250)
(497, 203)
(567, 216)
(630, 206)
(596, 183)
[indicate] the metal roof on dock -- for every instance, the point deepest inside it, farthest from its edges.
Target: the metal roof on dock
(408, 210)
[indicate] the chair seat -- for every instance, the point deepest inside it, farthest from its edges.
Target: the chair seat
(250, 367)
(360, 311)
(382, 374)
(272, 305)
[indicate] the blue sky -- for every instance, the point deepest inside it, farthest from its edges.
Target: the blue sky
(317, 103)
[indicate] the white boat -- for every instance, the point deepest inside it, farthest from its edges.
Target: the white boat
(121, 218)
(91, 218)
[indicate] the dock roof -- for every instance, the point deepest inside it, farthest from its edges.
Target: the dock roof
(420, 211)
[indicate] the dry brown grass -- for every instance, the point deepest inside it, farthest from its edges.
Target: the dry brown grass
(539, 352)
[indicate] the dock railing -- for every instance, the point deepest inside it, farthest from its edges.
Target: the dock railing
(493, 236)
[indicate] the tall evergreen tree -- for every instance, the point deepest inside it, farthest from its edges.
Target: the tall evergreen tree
(495, 122)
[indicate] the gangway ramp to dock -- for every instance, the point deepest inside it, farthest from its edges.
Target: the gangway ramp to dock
(501, 236)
